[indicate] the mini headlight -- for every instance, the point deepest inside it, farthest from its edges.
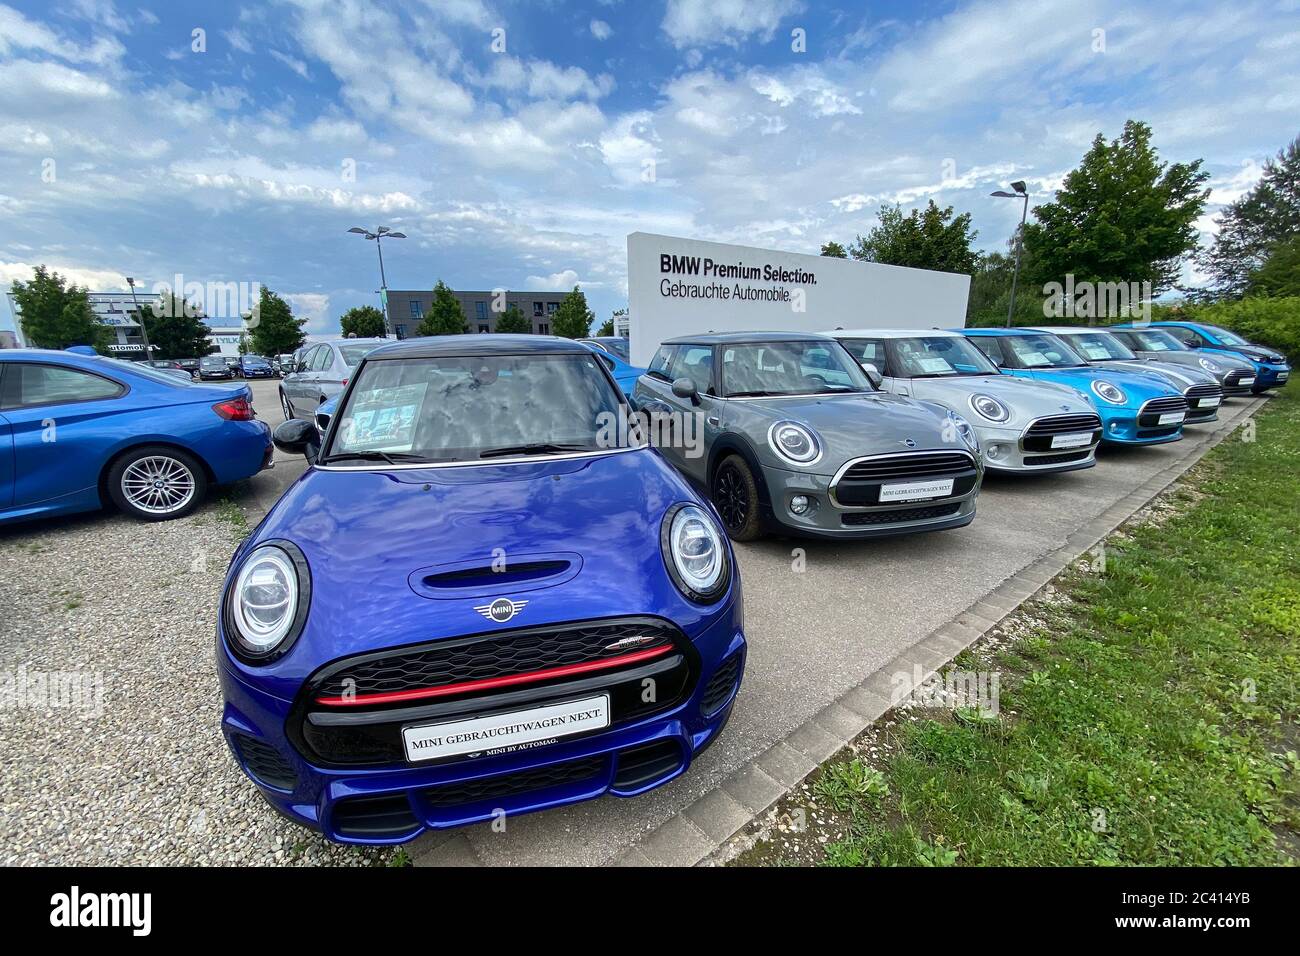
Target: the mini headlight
(694, 553)
(1209, 366)
(794, 442)
(265, 604)
(990, 408)
(1109, 393)
(965, 430)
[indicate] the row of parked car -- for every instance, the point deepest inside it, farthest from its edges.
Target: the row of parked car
(482, 599)
(475, 603)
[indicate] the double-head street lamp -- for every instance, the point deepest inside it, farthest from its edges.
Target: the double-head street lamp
(139, 316)
(1020, 193)
(379, 235)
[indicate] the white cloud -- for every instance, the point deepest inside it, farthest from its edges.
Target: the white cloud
(601, 30)
(555, 282)
(312, 306)
(293, 63)
(97, 280)
(704, 23)
(237, 40)
(19, 34)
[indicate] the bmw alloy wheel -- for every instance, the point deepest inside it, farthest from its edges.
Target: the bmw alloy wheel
(158, 485)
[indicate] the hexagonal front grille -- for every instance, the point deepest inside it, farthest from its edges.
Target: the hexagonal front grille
(501, 655)
(513, 784)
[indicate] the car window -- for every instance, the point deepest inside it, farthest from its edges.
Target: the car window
(867, 351)
(458, 408)
(1225, 337)
(353, 354)
(609, 362)
(696, 363)
(28, 384)
(789, 368)
(936, 356)
(662, 361)
(323, 359)
(1150, 340)
(990, 347)
(149, 372)
(1100, 347)
(1188, 336)
(1039, 350)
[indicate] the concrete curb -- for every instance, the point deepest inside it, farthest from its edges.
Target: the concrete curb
(705, 825)
(702, 827)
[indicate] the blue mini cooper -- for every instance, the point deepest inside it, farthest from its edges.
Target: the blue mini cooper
(1135, 408)
(477, 600)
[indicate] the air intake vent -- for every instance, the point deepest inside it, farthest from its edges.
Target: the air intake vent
(721, 686)
(264, 763)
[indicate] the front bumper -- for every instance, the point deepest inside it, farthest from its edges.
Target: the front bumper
(1037, 449)
(1270, 376)
(398, 801)
(829, 518)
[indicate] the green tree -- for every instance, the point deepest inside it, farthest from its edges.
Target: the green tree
(513, 321)
(834, 250)
(1280, 274)
(932, 238)
(606, 327)
(1251, 228)
(572, 320)
(364, 320)
(445, 318)
(276, 331)
(55, 313)
(1121, 216)
(176, 329)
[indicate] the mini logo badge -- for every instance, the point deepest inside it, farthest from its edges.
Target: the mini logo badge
(501, 610)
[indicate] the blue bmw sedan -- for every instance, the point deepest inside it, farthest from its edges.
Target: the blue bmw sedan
(78, 432)
(478, 600)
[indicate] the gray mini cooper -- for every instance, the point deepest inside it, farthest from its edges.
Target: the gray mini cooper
(1234, 374)
(786, 433)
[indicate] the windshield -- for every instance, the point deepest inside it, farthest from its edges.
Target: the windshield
(619, 347)
(1039, 350)
(1100, 347)
(1154, 340)
(353, 354)
(1225, 337)
(790, 368)
(215, 362)
(929, 356)
(255, 360)
(464, 408)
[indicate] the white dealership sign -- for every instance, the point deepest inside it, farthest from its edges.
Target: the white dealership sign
(686, 286)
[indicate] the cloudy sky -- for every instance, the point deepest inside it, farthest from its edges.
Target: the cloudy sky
(517, 143)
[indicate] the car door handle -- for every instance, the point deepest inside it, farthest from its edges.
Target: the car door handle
(714, 420)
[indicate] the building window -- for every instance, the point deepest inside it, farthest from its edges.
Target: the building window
(551, 307)
(537, 308)
(480, 309)
(415, 309)
(543, 328)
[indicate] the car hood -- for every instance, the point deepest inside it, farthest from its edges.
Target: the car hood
(1255, 353)
(1138, 385)
(372, 538)
(1180, 376)
(1193, 359)
(1027, 399)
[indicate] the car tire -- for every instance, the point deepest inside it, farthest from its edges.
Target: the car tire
(156, 483)
(735, 496)
(285, 408)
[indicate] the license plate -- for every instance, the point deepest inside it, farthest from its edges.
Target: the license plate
(1072, 440)
(916, 490)
(1248, 381)
(1172, 418)
(1209, 403)
(502, 733)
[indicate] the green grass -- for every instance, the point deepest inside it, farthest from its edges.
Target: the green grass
(233, 515)
(1148, 716)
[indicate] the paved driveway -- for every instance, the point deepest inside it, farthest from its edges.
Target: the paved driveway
(814, 633)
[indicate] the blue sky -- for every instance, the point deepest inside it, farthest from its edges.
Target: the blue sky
(126, 150)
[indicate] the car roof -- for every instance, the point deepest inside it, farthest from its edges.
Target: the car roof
(895, 333)
(990, 331)
(434, 346)
(1066, 329)
(746, 338)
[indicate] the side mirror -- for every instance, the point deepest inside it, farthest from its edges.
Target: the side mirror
(298, 436)
(873, 373)
(685, 388)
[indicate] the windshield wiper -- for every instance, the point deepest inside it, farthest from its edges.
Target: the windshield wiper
(532, 448)
(391, 458)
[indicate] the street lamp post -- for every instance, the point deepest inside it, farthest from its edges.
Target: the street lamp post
(144, 333)
(380, 234)
(1020, 193)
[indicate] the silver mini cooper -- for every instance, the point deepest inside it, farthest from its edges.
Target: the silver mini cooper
(1023, 426)
(786, 433)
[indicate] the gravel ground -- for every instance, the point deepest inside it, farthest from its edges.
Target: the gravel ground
(148, 779)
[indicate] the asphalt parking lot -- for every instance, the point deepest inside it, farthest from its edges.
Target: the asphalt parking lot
(100, 590)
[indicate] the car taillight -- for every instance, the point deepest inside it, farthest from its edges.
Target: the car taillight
(235, 410)
(345, 381)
